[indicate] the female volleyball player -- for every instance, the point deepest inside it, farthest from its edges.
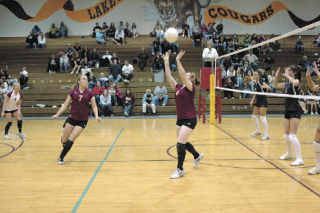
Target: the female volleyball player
(261, 106)
(292, 112)
(80, 98)
(316, 143)
(12, 107)
(186, 114)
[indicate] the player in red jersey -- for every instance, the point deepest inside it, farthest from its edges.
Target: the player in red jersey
(186, 113)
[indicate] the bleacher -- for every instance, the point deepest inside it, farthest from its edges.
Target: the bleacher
(51, 89)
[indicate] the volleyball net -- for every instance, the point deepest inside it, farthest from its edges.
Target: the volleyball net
(232, 73)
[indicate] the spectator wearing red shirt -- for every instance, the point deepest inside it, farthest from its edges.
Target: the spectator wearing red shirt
(98, 90)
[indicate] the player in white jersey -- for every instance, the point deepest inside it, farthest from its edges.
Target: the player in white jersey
(12, 107)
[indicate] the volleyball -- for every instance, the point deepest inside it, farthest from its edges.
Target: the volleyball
(171, 35)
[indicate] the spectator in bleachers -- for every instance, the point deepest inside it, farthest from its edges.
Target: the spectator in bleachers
(299, 46)
(78, 62)
(31, 41)
(185, 29)
(127, 70)
(115, 57)
(3, 89)
(100, 37)
(157, 26)
(165, 46)
(161, 94)
(157, 63)
(148, 101)
(238, 78)
(219, 29)
(172, 61)
(209, 54)
(255, 51)
(94, 58)
(317, 40)
(112, 30)
(98, 90)
(143, 59)
(245, 86)
(274, 45)
(255, 38)
(197, 39)
(103, 80)
(305, 64)
(271, 78)
(85, 53)
(115, 71)
(105, 29)
(228, 84)
(252, 59)
(24, 78)
(41, 41)
(246, 40)
(119, 37)
(77, 48)
(204, 29)
(115, 92)
(105, 103)
(127, 31)
(36, 30)
(195, 28)
(63, 30)
(134, 30)
(95, 30)
(211, 31)
(70, 51)
(52, 64)
(246, 68)
(64, 63)
(156, 47)
(121, 26)
(92, 81)
(128, 102)
(234, 43)
(227, 63)
(105, 60)
(53, 31)
(159, 32)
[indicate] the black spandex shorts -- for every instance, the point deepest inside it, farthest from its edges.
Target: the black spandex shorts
(292, 114)
(262, 103)
(72, 122)
(13, 111)
(191, 123)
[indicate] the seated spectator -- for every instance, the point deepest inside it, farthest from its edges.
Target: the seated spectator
(185, 29)
(94, 59)
(105, 103)
(112, 30)
(31, 41)
(246, 40)
(115, 93)
(36, 31)
(92, 81)
(134, 30)
(245, 86)
(148, 102)
(159, 32)
(228, 84)
(211, 31)
(204, 29)
(78, 62)
(64, 63)
(24, 78)
(271, 78)
(105, 29)
(219, 29)
(156, 47)
(227, 63)
(166, 46)
(252, 59)
(105, 60)
(172, 61)
(103, 80)
(255, 38)
(157, 63)
(195, 28)
(121, 25)
(98, 90)
(128, 102)
(158, 24)
(3, 90)
(86, 71)
(238, 78)
(119, 37)
(4, 75)
(197, 39)
(274, 45)
(70, 51)
(143, 59)
(85, 53)
(41, 41)
(317, 40)
(115, 72)
(299, 46)
(161, 94)
(115, 57)
(52, 65)
(77, 47)
(127, 31)
(305, 64)
(234, 43)
(100, 37)
(53, 31)
(63, 30)
(209, 54)
(127, 72)
(95, 30)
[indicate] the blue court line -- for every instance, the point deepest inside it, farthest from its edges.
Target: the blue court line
(75, 208)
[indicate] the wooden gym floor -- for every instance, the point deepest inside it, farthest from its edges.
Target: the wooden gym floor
(124, 165)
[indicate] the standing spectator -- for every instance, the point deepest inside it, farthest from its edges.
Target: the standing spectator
(36, 31)
(157, 63)
(185, 29)
(143, 59)
(209, 54)
(95, 30)
(115, 72)
(52, 65)
(115, 92)
(24, 77)
(105, 103)
(161, 94)
(41, 41)
(119, 37)
(103, 80)
(135, 32)
(299, 46)
(148, 102)
(31, 41)
(197, 39)
(64, 63)
(53, 31)
(78, 61)
(98, 90)
(63, 30)
(127, 72)
(128, 102)
(94, 58)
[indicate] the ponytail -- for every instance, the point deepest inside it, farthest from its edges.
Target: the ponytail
(196, 81)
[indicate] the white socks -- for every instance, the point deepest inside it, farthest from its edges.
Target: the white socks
(264, 122)
(288, 143)
(256, 122)
(316, 149)
(296, 145)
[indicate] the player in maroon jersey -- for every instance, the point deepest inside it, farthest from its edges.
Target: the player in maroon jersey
(80, 99)
(186, 113)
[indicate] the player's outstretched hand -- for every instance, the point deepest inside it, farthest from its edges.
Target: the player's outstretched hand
(278, 72)
(98, 119)
(308, 73)
(165, 57)
(54, 117)
(180, 55)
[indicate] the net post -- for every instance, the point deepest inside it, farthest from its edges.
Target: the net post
(199, 105)
(203, 109)
(212, 99)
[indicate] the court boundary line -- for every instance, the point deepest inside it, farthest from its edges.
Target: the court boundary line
(269, 162)
(76, 206)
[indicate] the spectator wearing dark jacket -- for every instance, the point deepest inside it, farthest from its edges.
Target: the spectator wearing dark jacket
(52, 64)
(197, 39)
(143, 59)
(94, 58)
(157, 63)
(115, 72)
(31, 41)
(128, 102)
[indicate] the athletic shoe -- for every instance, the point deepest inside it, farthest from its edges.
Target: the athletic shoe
(315, 170)
(197, 160)
(311, 113)
(61, 162)
(177, 174)
(22, 135)
(286, 156)
(255, 134)
(265, 137)
(6, 137)
(297, 162)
